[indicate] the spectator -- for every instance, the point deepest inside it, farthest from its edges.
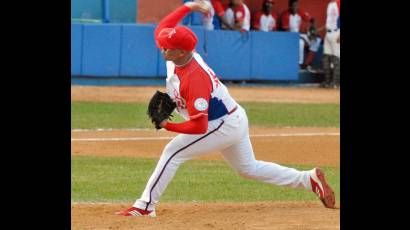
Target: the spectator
(331, 56)
(312, 41)
(266, 19)
(238, 15)
(291, 21)
(219, 19)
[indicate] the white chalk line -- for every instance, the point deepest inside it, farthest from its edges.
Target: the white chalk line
(109, 130)
(169, 138)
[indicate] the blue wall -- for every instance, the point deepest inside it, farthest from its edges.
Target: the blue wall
(121, 11)
(86, 9)
(129, 50)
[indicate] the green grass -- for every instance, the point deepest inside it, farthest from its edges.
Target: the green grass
(133, 115)
(297, 115)
(111, 179)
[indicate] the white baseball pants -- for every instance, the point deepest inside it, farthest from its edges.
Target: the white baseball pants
(230, 135)
(331, 46)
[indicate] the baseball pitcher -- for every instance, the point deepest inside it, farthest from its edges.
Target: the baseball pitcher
(214, 121)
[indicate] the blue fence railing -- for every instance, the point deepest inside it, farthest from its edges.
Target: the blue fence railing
(129, 50)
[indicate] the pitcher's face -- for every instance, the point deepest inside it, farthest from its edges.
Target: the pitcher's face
(172, 54)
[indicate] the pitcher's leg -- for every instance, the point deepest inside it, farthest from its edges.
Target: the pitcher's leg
(241, 157)
(180, 149)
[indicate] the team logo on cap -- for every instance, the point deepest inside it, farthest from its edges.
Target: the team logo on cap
(167, 32)
(200, 104)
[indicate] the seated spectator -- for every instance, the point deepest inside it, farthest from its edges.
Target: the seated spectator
(266, 19)
(238, 15)
(312, 41)
(291, 21)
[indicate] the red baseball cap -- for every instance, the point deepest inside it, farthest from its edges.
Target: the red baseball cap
(179, 37)
(269, 1)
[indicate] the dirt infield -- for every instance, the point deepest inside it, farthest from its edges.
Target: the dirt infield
(215, 215)
(241, 94)
(307, 146)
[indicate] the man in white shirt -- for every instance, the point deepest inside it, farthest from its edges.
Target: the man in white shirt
(331, 57)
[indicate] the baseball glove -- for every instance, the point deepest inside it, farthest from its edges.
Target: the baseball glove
(160, 108)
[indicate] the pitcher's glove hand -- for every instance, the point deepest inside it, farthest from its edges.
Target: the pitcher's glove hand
(160, 108)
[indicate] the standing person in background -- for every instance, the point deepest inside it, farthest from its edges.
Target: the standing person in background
(266, 19)
(331, 56)
(238, 16)
(291, 20)
(214, 121)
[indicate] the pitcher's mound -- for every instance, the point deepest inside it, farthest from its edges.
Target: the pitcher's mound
(210, 215)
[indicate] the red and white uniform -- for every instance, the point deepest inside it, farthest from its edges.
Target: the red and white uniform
(200, 96)
(263, 22)
(292, 22)
(197, 91)
(331, 46)
(239, 14)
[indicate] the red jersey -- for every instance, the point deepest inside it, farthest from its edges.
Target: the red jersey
(198, 93)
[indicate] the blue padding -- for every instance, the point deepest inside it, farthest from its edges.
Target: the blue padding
(162, 67)
(228, 54)
(138, 53)
(199, 32)
(101, 50)
(196, 18)
(76, 46)
(186, 20)
(275, 56)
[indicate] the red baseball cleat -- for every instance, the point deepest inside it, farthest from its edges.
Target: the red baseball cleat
(133, 211)
(321, 188)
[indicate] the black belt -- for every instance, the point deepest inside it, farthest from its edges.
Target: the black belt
(332, 30)
(233, 110)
